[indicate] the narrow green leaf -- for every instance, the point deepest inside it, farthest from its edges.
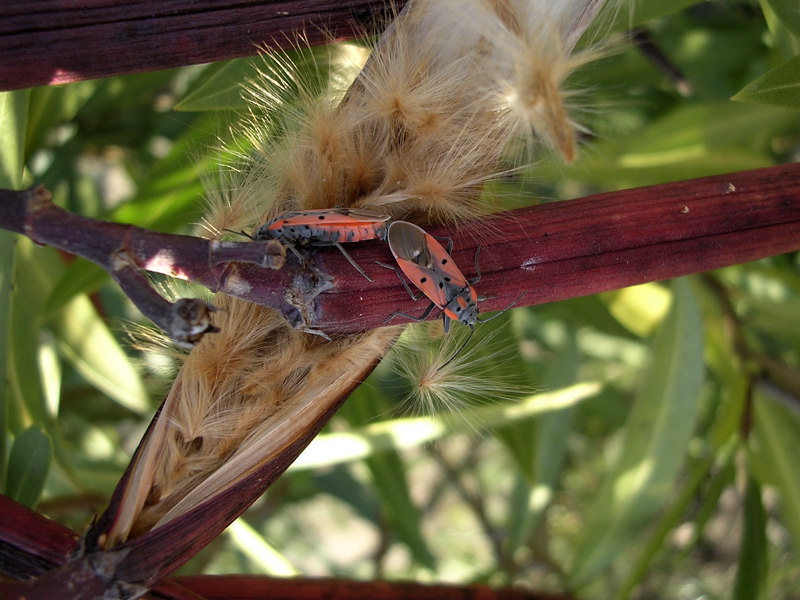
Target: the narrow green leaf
(615, 18)
(390, 483)
(35, 268)
(221, 87)
(693, 140)
(548, 435)
(282, 77)
(7, 246)
(334, 448)
(752, 570)
(789, 14)
(656, 543)
(79, 277)
(28, 464)
(722, 442)
(85, 341)
(13, 118)
(655, 438)
(779, 87)
(774, 454)
(262, 555)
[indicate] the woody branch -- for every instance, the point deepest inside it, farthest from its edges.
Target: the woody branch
(549, 252)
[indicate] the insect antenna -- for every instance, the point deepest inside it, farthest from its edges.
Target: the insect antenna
(242, 233)
(517, 299)
(460, 348)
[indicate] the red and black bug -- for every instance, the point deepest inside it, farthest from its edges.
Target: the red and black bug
(432, 270)
(326, 227)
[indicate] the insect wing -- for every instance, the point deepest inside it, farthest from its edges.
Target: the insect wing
(409, 243)
(443, 264)
(426, 263)
(426, 280)
(335, 216)
(331, 225)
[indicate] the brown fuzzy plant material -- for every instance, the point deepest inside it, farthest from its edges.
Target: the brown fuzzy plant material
(415, 135)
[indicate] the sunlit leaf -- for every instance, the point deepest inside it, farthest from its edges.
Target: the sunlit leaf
(221, 88)
(258, 551)
(13, 119)
(391, 485)
(85, 341)
(333, 448)
(660, 424)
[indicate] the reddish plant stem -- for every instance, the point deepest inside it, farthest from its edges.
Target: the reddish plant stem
(248, 587)
(31, 545)
(549, 252)
(126, 251)
(45, 43)
(608, 241)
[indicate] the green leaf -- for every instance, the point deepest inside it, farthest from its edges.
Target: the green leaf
(281, 77)
(660, 425)
(13, 118)
(773, 457)
(261, 554)
(694, 140)
(751, 574)
(28, 464)
(51, 106)
(541, 462)
(221, 88)
(35, 269)
(334, 448)
(391, 485)
(85, 341)
(779, 87)
(79, 277)
(789, 14)
(614, 18)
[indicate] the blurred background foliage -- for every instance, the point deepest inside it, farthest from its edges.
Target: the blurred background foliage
(636, 444)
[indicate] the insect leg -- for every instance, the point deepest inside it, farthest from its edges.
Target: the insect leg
(295, 251)
(418, 319)
(352, 262)
(477, 277)
(442, 238)
(403, 281)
